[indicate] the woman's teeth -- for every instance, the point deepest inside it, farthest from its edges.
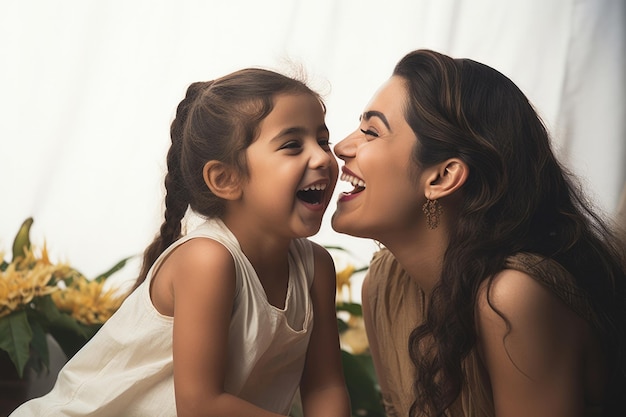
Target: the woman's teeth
(356, 182)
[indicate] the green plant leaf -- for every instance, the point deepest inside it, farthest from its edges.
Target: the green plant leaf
(69, 277)
(365, 397)
(49, 316)
(22, 239)
(40, 355)
(15, 337)
(367, 364)
(342, 325)
(113, 270)
(352, 308)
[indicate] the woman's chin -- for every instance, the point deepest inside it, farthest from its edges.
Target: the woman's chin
(347, 224)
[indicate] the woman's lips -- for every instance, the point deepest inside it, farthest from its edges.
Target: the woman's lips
(355, 180)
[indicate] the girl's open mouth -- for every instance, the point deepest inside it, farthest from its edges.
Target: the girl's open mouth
(312, 194)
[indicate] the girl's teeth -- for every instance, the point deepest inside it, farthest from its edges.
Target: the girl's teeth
(318, 187)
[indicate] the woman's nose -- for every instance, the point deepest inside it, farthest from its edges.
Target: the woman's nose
(347, 147)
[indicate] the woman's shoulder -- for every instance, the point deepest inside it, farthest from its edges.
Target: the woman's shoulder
(515, 294)
(529, 337)
(529, 285)
(554, 278)
(518, 306)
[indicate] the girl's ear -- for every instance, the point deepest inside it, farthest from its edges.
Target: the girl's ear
(446, 178)
(222, 179)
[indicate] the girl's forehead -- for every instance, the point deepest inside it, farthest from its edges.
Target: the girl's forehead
(296, 107)
(296, 113)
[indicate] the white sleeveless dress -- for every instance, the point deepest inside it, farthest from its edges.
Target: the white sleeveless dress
(126, 370)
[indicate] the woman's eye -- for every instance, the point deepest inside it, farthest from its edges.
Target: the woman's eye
(369, 132)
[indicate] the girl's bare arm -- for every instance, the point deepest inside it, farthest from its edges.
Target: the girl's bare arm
(323, 388)
(203, 287)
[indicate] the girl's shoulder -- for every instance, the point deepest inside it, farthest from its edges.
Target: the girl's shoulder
(196, 261)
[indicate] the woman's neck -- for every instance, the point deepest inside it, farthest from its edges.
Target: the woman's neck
(421, 256)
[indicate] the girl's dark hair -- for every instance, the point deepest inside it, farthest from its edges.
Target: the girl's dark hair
(517, 198)
(217, 120)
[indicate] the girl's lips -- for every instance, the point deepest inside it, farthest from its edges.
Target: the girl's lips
(314, 206)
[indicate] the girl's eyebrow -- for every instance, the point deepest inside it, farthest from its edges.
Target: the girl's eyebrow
(374, 113)
(298, 130)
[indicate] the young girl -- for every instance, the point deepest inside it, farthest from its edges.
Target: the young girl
(232, 318)
(500, 291)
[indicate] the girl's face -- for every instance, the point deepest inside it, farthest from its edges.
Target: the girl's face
(292, 171)
(385, 201)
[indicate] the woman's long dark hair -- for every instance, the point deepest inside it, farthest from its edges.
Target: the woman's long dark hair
(517, 198)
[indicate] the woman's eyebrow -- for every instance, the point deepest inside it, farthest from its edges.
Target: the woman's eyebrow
(374, 113)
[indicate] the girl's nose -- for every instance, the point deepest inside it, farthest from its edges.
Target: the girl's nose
(321, 158)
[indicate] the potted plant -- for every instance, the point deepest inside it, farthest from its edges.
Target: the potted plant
(41, 299)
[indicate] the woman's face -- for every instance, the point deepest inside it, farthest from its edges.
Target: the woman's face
(386, 201)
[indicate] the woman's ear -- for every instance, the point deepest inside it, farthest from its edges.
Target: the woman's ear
(222, 179)
(446, 178)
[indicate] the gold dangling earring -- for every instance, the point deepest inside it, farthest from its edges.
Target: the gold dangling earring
(432, 209)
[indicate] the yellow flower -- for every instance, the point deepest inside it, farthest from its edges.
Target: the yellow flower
(22, 281)
(343, 280)
(87, 301)
(29, 284)
(354, 340)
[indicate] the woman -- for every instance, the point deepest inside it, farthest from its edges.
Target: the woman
(506, 288)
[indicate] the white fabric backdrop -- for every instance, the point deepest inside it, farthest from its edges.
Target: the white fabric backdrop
(88, 89)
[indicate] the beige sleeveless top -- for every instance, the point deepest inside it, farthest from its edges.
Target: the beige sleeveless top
(127, 368)
(394, 306)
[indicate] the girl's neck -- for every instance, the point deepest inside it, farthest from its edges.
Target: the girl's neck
(269, 257)
(257, 243)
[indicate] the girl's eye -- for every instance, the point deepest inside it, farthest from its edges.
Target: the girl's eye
(292, 144)
(324, 143)
(369, 132)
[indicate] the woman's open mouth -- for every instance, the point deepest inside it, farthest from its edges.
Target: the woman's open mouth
(357, 183)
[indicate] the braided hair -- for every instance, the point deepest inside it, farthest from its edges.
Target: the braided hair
(217, 120)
